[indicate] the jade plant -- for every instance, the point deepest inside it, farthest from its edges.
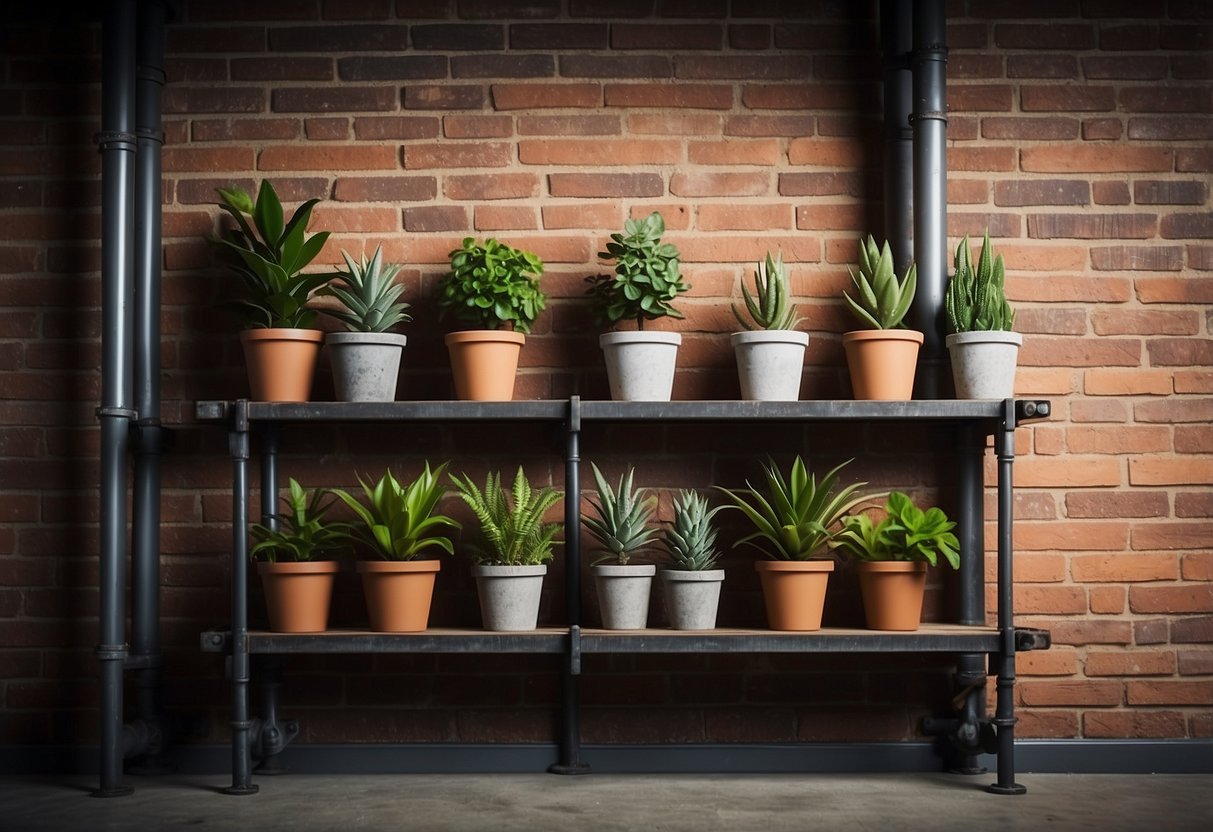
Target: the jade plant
(511, 519)
(368, 293)
(882, 300)
(624, 513)
(492, 286)
(906, 533)
(770, 306)
(302, 532)
(647, 278)
(690, 539)
(399, 520)
(975, 298)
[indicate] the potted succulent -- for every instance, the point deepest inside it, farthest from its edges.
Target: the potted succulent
(794, 521)
(366, 357)
(269, 254)
(770, 352)
(294, 560)
(399, 523)
(983, 349)
(692, 580)
(881, 355)
(490, 286)
(623, 528)
(509, 573)
(643, 286)
(892, 556)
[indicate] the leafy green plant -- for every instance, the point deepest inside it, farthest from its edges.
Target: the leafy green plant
(489, 286)
(770, 306)
(269, 254)
(906, 533)
(302, 534)
(976, 299)
(398, 521)
(512, 520)
(883, 301)
(622, 525)
(646, 279)
(797, 516)
(690, 539)
(368, 293)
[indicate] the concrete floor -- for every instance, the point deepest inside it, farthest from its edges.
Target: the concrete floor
(611, 803)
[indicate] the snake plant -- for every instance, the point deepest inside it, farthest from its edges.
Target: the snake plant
(398, 521)
(975, 299)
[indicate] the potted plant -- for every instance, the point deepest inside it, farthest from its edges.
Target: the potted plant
(770, 353)
(269, 254)
(983, 349)
(509, 573)
(293, 559)
(366, 357)
(490, 286)
(892, 556)
(794, 521)
(881, 355)
(692, 580)
(399, 523)
(622, 527)
(646, 281)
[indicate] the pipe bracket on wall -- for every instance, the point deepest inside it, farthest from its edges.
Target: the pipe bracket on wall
(116, 140)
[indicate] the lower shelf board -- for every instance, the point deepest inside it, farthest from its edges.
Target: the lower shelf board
(930, 638)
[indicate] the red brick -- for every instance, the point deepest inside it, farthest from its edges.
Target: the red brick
(1134, 725)
(1194, 439)
(740, 152)
(970, 98)
(469, 155)
(1102, 129)
(225, 99)
(1116, 504)
(1038, 599)
(981, 158)
(602, 185)
(825, 153)
(615, 66)
(1040, 128)
(436, 218)
(396, 127)
(1193, 381)
(1107, 600)
(1055, 693)
(1193, 159)
(1054, 662)
(539, 96)
(1174, 290)
(1167, 470)
(477, 127)
(1040, 723)
(1151, 536)
(1083, 536)
(1059, 351)
(667, 37)
(840, 97)
(1071, 159)
(568, 35)
(963, 191)
(207, 160)
(385, 189)
(1067, 99)
(1117, 67)
(766, 125)
(1123, 568)
(600, 152)
(1169, 192)
(1097, 382)
(599, 216)
(568, 125)
(1181, 226)
(1020, 192)
(445, 97)
(491, 186)
(1181, 351)
(1166, 99)
(1064, 288)
(1131, 663)
(833, 217)
(1037, 36)
(1195, 662)
(327, 158)
(327, 129)
(1174, 411)
(719, 184)
(1079, 631)
(1163, 692)
(751, 217)
(1093, 226)
(694, 96)
(504, 218)
(1195, 630)
(1042, 66)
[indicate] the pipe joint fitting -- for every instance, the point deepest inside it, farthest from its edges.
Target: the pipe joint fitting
(116, 140)
(112, 652)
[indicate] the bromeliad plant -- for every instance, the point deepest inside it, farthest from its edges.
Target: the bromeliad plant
(368, 293)
(797, 516)
(647, 276)
(398, 521)
(269, 254)
(770, 306)
(975, 299)
(622, 525)
(691, 539)
(906, 533)
(491, 286)
(512, 520)
(883, 301)
(302, 534)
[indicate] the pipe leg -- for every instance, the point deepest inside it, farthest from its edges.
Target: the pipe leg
(242, 777)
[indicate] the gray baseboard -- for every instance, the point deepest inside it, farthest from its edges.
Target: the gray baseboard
(1031, 756)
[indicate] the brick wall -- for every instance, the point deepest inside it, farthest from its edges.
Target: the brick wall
(1079, 136)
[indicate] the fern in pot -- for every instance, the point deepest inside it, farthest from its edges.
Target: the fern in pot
(982, 346)
(643, 286)
(882, 356)
(691, 579)
(770, 350)
(622, 525)
(366, 357)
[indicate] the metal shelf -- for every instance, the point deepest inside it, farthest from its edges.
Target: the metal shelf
(929, 638)
(434, 640)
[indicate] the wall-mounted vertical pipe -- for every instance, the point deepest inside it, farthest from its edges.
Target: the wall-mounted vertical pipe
(145, 542)
(896, 41)
(930, 194)
(117, 145)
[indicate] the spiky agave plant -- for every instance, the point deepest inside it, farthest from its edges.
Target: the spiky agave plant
(690, 539)
(622, 525)
(976, 299)
(511, 519)
(883, 301)
(770, 306)
(368, 293)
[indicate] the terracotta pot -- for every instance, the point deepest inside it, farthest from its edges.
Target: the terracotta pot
(794, 592)
(281, 363)
(398, 593)
(297, 595)
(882, 362)
(892, 593)
(484, 363)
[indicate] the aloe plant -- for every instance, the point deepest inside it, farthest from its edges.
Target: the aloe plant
(690, 539)
(398, 521)
(647, 277)
(302, 534)
(770, 306)
(976, 299)
(622, 525)
(905, 533)
(368, 293)
(269, 255)
(511, 519)
(797, 516)
(883, 301)
(491, 286)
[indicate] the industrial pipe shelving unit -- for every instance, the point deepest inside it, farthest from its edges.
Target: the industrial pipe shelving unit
(969, 639)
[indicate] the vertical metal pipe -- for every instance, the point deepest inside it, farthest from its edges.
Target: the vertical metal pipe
(970, 516)
(896, 41)
(930, 194)
(117, 145)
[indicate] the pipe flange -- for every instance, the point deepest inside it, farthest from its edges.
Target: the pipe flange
(115, 139)
(119, 412)
(112, 652)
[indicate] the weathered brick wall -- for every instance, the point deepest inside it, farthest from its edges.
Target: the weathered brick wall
(1079, 135)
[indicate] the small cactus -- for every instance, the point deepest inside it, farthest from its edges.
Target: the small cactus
(975, 300)
(691, 540)
(770, 305)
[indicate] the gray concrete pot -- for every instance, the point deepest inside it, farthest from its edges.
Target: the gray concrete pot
(640, 365)
(769, 363)
(692, 598)
(509, 595)
(365, 365)
(623, 594)
(983, 363)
